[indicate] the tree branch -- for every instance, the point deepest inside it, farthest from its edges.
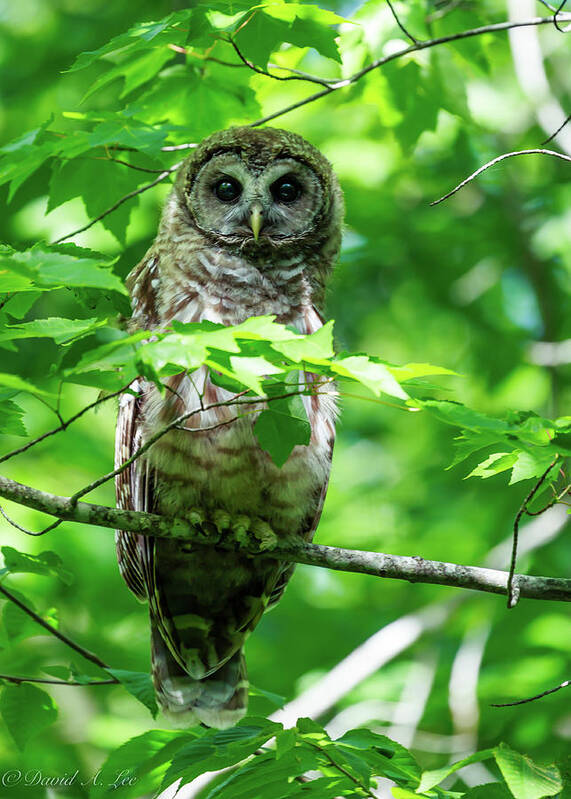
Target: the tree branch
(64, 425)
(18, 680)
(496, 161)
(328, 89)
(413, 569)
(379, 62)
(120, 201)
(564, 684)
(91, 656)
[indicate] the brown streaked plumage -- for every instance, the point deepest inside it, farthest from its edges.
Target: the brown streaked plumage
(251, 227)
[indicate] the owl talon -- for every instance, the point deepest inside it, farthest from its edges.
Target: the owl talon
(196, 517)
(265, 537)
(221, 520)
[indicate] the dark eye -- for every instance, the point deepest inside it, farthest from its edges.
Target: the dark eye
(286, 190)
(227, 189)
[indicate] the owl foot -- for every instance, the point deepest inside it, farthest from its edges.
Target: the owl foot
(250, 533)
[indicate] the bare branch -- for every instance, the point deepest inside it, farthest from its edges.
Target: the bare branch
(496, 161)
(559, 129)
(413, 569)
(64, 425)
(494, 28)
(556, 14)
(120, 201)
(513, 586)
(401, 26)
(53, 630)
(297, 76)
(564, 684)
(24, 529)
(19, 680)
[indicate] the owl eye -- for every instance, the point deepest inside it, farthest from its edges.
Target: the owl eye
(227, 189)
(286, 190)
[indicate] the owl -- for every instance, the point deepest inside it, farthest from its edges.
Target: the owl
(251, 227)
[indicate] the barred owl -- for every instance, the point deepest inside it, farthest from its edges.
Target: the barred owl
(251, 227)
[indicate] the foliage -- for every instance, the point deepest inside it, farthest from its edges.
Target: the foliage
(471, 284)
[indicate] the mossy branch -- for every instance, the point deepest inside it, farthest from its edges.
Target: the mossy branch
(413, 569)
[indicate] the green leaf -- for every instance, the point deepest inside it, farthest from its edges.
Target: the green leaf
(281, 427)
(26, 711)
(386, 757)
(11, 418)
(492, 790)
(18, 624)
(314, 348)
(532, 465)
(525, 779)
(218, 749)
(47, 563)
(268, 777)
(275, 699)
(494, 464)
(430, 779)
(308, 728)
(140, 685)
(144, 758)
(142, 67)
(375, 376)
(136, 37)
(99, 184)
(260, 37)
(62, 266)
(19, 384)
(62, 331)
(250, 370)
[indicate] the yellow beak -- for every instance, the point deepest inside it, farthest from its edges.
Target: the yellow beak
(256, 219)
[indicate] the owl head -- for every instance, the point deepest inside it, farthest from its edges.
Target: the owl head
(260, 190)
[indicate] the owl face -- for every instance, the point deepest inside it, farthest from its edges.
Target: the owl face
(232, 198)
(257, 188)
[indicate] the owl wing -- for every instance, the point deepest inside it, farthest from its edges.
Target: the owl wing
(133, 487)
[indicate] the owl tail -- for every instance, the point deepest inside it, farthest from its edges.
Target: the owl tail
(218, 700)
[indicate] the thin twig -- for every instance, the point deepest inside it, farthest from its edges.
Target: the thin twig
(556, 14)
(169, 148)
(559, 129)
(499, 158)
(533, 698)
(343, 770)
(120, 201)
(292, 550)
(24, 530)
(63, 425)
(494, 28)
(513, 594)
(18, 680)
(305, 77)
(238, 399)
(54, 631)
(401, 26)
(548, 5)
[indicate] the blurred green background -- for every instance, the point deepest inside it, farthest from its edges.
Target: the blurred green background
(472, 284)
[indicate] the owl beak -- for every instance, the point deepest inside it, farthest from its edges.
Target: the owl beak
(256, 219)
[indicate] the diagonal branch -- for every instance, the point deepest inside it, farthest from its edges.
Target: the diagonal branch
(413, 569)
(65, 424)
(120, 201)
(91, 656)
(536, 151)
(425, 45)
